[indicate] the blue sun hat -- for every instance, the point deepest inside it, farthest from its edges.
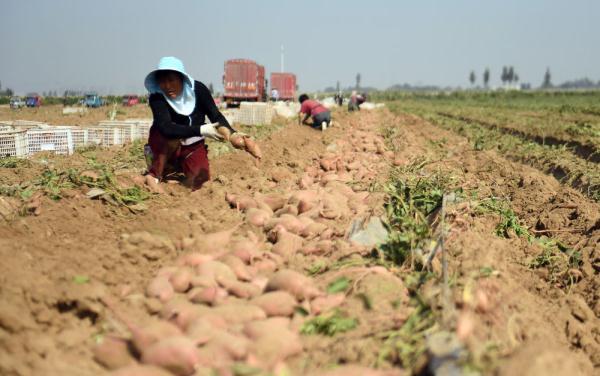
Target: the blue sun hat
(184, 104)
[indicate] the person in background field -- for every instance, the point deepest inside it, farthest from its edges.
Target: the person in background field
(339, 98)
(176, 142)
(274, 95)
(321, 117)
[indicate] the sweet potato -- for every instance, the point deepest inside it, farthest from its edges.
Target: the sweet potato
(287, 243)
(325, 303)
(214, 358)
(203, 281)
(240, 202)
(252, 148)
(266, 266)
(224, 131)
(260, 281)
(274, 346)
(194, 258)
(160, 287)
(319, 248)
(204, 329)
(152, 332)
(238, 267)
(288, 221)
(215, 242)
(305, 181)
(308, 195)
(166, 271)
(313, 229)
(311, 171)
(242, 290)
(276, 303)
(238, 313)
(327, 164)
(175, 354)
(207, 295)
(246, 250)
(334, 206)
(237, 141)
(181, 279)
(299, 285)
(287, 209)
(235, 345)
(216, 269)
(181, 312)
(340, 165)
(274, 201)
(261, 328)
(257, 217)
(113, 352)
(141, 370)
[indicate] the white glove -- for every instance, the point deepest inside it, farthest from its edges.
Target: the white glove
(210, 131)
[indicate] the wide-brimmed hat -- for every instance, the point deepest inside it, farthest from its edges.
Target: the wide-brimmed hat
(166, 63)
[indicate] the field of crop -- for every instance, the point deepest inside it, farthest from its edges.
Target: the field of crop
(440, 234)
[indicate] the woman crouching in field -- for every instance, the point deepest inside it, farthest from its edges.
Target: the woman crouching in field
(176, 142)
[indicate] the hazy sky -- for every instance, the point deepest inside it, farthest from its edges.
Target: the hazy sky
(110, 45)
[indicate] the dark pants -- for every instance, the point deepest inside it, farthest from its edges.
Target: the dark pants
(321, 117)
(168, 156)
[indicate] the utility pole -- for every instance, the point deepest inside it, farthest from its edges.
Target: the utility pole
(282, 70)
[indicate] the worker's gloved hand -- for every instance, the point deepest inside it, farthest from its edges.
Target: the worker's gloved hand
(210, 131)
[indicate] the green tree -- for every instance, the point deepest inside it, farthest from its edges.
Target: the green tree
(510, 74)
(472, 78)
(504, 75)
(486, 77)
(547, 79)
(337, 87)
(358, 81)
(210, 88)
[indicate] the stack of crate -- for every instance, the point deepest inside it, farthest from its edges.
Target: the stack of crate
(22, 138)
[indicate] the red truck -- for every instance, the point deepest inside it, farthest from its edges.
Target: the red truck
(285, 83)
(244, 80)
(130, 100)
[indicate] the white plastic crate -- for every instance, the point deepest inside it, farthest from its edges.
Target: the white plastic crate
(55, 139)
(142, 131)
(80, 137)
(13, 143)
(105, 136)
(254, 113)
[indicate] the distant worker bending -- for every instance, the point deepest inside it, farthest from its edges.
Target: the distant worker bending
(321, 117)
(356, 100)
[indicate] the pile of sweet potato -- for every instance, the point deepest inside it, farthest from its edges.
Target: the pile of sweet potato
(232, 297)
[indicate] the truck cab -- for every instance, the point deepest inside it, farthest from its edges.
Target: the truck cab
(130, 100)
(33, 100)
(16, 103)
(93, 100)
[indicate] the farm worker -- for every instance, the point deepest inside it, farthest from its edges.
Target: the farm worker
(274, 95)
(339, 98)
(176, 143)
(355, 101)
(311, 108)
